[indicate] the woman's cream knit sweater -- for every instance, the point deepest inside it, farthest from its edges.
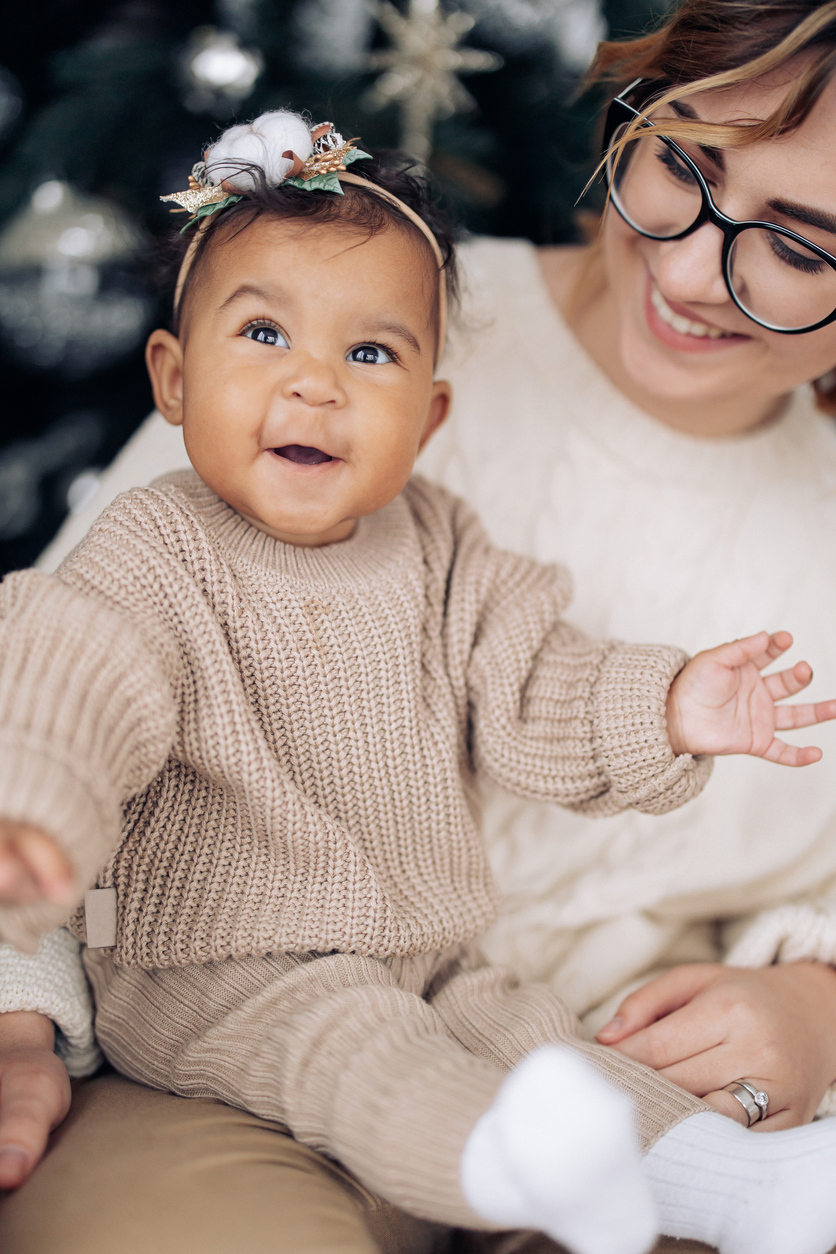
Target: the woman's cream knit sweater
(272, 749)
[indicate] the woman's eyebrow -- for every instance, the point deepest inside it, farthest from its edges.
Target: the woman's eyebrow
(714, 155)
(803, 213)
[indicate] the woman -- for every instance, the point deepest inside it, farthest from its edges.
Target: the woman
(625, 409)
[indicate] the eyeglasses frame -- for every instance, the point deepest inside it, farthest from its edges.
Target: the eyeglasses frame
(619, 112)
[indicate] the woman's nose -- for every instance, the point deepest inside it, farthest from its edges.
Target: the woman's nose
(308, 379)
(690, 269)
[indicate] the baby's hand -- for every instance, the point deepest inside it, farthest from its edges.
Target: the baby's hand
(34, 1093)
(720, 703)
(32, 867)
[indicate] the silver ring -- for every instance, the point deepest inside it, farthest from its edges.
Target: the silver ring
(753, 1099)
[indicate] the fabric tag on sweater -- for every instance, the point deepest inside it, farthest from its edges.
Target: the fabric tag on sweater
(100, 917)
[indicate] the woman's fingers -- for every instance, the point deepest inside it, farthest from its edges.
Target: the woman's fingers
(678, 1037)
(656, 998)
(725, 1104)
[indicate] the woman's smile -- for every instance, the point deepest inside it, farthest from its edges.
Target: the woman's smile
(677, 328)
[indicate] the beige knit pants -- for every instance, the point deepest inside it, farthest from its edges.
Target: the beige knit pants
(384, 1066)
(135, 1171)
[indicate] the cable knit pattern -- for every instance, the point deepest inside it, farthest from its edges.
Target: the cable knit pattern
(293, 731)
(52, 982)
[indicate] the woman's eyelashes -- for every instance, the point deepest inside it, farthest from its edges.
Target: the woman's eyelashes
(265, 333)
(371, 355)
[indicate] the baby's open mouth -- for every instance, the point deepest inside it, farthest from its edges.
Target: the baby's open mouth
(302, 455)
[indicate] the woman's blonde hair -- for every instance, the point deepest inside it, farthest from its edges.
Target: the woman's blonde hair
(708, 45)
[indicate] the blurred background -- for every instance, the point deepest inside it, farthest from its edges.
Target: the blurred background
(105, 106)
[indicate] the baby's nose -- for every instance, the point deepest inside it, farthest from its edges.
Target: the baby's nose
(311, 380)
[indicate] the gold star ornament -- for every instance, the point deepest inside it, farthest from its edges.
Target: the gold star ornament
(420, 70)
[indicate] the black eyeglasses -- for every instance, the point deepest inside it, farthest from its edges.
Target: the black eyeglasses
(778, 278)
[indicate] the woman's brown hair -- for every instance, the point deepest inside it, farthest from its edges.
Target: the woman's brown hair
(712, 44)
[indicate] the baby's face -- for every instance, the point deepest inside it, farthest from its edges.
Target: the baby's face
(303, 375)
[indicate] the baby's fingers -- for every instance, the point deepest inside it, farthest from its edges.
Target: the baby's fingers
(33, 1099)
(787, 716)
(791, 755)
(760, 649)
(48, 865)
(788, 683)
(32, 866)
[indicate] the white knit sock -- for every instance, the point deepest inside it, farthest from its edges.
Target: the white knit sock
(747, 1192)
(557, 1151)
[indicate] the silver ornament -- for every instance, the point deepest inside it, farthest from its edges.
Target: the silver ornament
(217, 72)
(67, 302)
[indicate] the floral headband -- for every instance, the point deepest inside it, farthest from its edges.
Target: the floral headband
(288, 151)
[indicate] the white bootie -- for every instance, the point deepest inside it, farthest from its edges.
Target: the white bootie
(558, 1151)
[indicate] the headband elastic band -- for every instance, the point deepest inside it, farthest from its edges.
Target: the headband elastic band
(346, 177)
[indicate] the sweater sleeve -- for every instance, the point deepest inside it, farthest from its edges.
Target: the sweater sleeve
(52, 983)
(557, 716)
(87, 716)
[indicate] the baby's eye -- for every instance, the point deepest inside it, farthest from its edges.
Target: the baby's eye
(265, 333)
(369, 355)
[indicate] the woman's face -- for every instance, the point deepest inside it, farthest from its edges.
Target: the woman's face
(670, 298)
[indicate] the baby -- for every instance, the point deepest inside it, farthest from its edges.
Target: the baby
(253, 706)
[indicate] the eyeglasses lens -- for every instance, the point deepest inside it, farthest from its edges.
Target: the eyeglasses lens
(653, 189)
(780, 281)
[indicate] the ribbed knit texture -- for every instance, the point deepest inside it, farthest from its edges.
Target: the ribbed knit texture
(386, 1065)
(293, 733)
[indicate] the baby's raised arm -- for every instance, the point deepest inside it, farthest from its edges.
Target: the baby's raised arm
(599, 725)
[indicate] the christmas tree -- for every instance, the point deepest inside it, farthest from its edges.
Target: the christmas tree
(105, 107)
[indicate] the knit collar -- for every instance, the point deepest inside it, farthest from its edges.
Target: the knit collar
(382, 547)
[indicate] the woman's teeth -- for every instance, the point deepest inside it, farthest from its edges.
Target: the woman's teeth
(683, 325)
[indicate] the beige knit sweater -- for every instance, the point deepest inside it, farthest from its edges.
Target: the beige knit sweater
(273, 749)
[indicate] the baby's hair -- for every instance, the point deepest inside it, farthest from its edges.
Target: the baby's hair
(355, 210)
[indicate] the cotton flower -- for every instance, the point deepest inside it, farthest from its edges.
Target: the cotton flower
(262, 143)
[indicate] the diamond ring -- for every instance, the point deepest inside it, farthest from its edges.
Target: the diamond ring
(752, 1098)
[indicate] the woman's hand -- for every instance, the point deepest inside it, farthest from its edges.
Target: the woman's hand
(706, 1025)
(32, 866)
(34, 1093)
(720, 702)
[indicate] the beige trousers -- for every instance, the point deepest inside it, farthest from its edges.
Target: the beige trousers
(382, 1065)
(136, 1171)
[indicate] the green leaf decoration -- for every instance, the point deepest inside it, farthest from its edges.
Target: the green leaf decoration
(205, 210)
(356, 154)
(319, 183)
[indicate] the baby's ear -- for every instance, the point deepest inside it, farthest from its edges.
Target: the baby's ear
(442, 398)
(164, 360)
